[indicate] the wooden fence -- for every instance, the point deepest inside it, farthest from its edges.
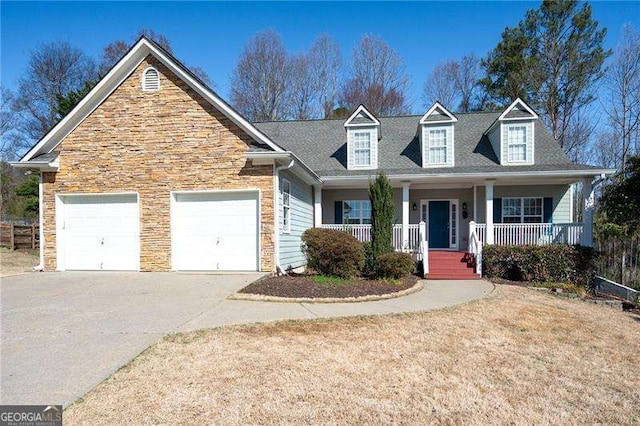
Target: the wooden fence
(19, 237)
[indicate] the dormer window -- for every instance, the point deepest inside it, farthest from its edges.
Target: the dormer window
(512, 135)
(437, 146)
(362, 148)
(517, 143)
(150, 80)
(436, 137)
(362, 139)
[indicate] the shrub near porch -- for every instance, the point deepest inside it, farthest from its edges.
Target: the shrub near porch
(557, 263)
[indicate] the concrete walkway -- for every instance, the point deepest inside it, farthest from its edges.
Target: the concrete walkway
(435, 295)
(63, 333)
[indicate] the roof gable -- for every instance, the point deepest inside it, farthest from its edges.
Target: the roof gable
(116, 76)
(518, 110)
(438, 114)
(361, 117)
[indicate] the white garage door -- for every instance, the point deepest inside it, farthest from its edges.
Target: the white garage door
(215, 231)
(101, 232)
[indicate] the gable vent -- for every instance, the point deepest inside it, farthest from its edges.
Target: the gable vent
(150, 80)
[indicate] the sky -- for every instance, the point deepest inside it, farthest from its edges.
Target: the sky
(212, 34)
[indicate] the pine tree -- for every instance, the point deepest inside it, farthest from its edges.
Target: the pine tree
(552, 60)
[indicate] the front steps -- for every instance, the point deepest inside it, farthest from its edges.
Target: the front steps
(451, 265)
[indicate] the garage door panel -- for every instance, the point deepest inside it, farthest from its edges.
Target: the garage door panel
(101, 232)
(215, 231)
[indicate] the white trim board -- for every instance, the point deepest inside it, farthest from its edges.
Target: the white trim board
(521, 103)
(452, 201)
(438, 106)
(365, 111)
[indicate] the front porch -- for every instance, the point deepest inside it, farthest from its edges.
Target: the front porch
(503, 234)
(464, 216)
(511, 213)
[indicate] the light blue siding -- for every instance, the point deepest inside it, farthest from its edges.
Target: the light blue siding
(290, 254)
(561, 195)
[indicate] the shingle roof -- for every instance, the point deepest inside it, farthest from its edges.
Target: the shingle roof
(321, 144)
(361, 119)
(517, 113)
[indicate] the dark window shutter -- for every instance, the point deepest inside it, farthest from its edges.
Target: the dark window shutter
(497, 210)
(338, 212)
(547, 212)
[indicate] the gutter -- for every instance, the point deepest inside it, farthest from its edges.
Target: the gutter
(40, 266)
(40, 165)
(287, 155)
(276, 216)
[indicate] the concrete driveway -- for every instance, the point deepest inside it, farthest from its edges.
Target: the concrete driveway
(63, 333)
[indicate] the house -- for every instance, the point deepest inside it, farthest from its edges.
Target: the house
(153, 171)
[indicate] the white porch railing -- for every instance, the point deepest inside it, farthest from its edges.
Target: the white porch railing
(423, 248)
(363, 233)
(475, 244)
(517, 234)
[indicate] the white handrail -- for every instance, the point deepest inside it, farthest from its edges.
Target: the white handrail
(475, 246)
(423, 248)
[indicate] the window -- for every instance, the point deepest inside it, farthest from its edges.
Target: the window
(150, 80)
(522, 210)
(437, 153)
(517, 143)
(356, 212)
(454, 223)
(362, 148)
(286, 206)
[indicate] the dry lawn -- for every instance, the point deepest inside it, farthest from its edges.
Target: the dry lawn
(516, 357)
(16, 262)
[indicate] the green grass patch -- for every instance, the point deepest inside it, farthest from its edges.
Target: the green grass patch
(331, 281)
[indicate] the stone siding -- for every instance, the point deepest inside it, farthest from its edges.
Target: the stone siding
(153, 143)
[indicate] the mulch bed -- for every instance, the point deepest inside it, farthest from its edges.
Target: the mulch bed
(298, 286)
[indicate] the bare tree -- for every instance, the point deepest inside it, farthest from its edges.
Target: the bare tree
(467, 77)
(326, 59)
(377, 78)
(301, 87)
(441, 85)
(111, 54)
(578, 136)
(606, 149)
(53, 70)
(259, 81)
(114, 51)
(622, 104)
(11, 142)
(455, 83)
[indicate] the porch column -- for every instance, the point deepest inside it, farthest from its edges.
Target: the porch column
(405, 214)
(489, 210)
(475, 202)
(589, 206)
(317, 206)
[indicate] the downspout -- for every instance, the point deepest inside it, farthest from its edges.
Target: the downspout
(276, 215)
(40, 266)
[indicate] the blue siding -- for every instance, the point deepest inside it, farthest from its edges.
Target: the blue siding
(301, 220)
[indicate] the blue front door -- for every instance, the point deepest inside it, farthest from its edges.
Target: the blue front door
(438, 224)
